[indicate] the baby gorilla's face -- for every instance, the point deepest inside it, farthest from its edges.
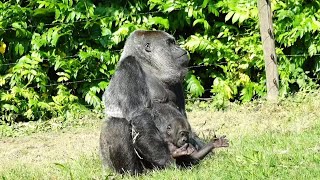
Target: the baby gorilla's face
(182, 138)
(178, 132)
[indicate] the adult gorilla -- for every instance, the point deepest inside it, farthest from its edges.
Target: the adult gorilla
(151, 70)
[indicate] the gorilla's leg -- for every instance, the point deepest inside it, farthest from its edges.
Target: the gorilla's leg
(116, 147)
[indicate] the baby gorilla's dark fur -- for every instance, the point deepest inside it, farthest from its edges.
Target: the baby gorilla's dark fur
(177, 133)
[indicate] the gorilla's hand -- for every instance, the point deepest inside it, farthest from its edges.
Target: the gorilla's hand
(185, 150)
(214, 143)
(220, 142)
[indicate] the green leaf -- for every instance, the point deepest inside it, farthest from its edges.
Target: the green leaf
(105, 31)
(19, 49)
(103, 85)
(213, 10)
(57, 64)
(2, 81)
(60, 79)
(235, 18)
(190, 11)
(95, 89)
(229, 15)
(247, 92)
(10, 107)
(197, 21)
(159, 21)
(203, 21)
(168, 7)
(222, 87)
(92, 99)
(63, 74)
(57, 13)
(312, 49)
(16, 25)
(301, 82)
(194, 86)
(220, 34)
(71, 16)
(205, 3)
(193, 43)
(242, 18)
(55, 36)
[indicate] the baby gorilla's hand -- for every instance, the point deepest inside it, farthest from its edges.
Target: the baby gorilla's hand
(220, 142)
(185, 150)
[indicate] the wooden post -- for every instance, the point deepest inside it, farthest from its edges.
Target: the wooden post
(270, 58)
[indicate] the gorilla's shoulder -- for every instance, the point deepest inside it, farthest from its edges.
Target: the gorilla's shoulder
(129, 62)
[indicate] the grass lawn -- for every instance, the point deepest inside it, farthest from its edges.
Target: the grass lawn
(267, 141)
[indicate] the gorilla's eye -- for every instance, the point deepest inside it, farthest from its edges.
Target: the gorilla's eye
(184, 133)
(168, 127)
(147, 47)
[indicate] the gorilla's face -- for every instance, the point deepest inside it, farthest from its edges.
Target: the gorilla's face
(164, 58)
(182, 138)
(178, 132)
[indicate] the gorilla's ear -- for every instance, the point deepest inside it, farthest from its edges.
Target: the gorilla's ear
(171, 41)
(147, 47)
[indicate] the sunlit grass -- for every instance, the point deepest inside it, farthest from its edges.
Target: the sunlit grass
(267, 141)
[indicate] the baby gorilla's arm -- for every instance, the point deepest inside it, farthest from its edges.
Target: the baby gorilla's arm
(188, 152)
(214, 143)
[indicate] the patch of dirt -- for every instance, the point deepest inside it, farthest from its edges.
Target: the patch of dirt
(44, 148)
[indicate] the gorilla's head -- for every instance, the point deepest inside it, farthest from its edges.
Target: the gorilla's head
(158, 53)
(174, 126)
(178, 131)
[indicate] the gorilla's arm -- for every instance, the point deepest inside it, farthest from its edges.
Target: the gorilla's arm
(215, 143)
(190, 155)
(129, 92)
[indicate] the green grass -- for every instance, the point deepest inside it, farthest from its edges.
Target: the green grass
(267, 141)
(84, 167)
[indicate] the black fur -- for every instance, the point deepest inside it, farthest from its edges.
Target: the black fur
(116, 144)
(150, 71)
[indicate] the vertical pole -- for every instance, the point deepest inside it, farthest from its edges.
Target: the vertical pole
(270, 58)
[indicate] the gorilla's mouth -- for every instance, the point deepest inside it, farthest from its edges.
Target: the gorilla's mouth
(182, 55)
(184, 61)
(180, 143)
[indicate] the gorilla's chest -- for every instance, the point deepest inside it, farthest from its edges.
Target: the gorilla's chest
(159, 92)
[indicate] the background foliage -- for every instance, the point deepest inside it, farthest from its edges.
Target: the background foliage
(57, 56)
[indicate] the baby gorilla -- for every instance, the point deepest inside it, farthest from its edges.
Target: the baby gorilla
(177, 133)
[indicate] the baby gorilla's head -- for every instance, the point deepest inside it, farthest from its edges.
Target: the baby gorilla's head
(178, 131)
(172, 124)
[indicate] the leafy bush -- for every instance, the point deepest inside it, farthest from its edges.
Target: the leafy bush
(57, 57)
